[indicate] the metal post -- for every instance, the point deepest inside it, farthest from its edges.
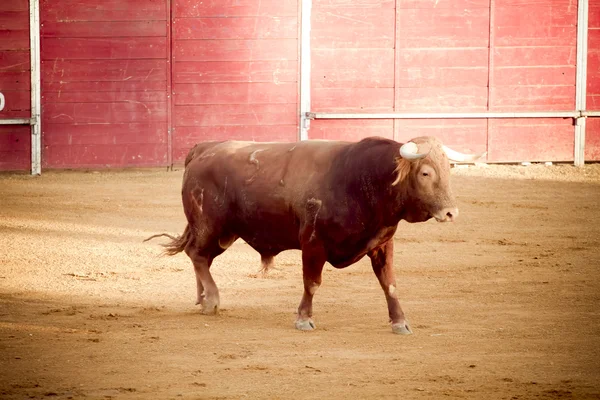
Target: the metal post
(36, 127)
(581, 79)
(305, 16)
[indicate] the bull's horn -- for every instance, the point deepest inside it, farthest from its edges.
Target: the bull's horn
(461, 157)
(410, 151)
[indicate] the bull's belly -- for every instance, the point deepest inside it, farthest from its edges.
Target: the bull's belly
(268, 238)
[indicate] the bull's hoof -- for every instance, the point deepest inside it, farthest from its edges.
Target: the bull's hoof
(305, 324)
(209, 307)
(401, 328)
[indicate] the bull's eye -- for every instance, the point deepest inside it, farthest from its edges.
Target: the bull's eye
(425, 173)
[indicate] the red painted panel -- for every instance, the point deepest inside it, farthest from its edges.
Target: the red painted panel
(531, 140)
(98, 155)
(235, 8)
(535, 56)
(593, 15)
(72, 29)
(350, 130)
(236, 93)
(532, 98)
(237, 28)
(242, 114)
(14, 61)
(353, 3)
(105, 10)
(15, 80)
(353, 27)
(130, 70)
(16, 100)
(14, 5)
(593, 68)
(101, 86)
(592, 139)
(353, 99)
(103, 112)
(15, 145)
(235, 71)
(344, 68)
(543, 76)
(103, 48)
(441, 99)
(236, 50)
(555, 24)
(14, 40)
(116, 134)
(14, 20)
(105, 97)
(443, 27)
(464, 135)
(439, 4)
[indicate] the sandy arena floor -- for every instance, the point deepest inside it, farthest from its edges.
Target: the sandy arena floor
(504, 303)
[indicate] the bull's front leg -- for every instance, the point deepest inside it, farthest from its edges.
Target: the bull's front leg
(313, 261)
(383, 266)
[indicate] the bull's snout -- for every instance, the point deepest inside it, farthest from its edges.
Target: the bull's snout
(446, 214)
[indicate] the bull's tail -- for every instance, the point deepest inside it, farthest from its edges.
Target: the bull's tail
(177, 245)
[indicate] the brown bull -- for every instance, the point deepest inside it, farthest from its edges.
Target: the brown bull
(335, 201)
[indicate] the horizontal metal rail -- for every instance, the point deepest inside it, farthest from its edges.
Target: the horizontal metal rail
(17, 121)
(590, 113)
(465, 115)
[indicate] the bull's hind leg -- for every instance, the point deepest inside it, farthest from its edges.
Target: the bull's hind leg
(208, 293)
(312, 269)
(383, 266)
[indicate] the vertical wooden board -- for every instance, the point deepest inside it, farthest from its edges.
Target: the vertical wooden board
(464, 135)
(345, 68)
(532, 98)
(353, 28)
(15, 144)
(236, 93)
(235, 71)
(350, 130)
(265, 27)
(353, 99)
(592, 139)
(518, 140)
(441, 99)
(235, 8)
(442, 27)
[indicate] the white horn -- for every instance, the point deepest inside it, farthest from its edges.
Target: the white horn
(461, 157)
(410, 151)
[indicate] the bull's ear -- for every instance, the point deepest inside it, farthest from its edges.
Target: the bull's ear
(410, 151)
(401, 171)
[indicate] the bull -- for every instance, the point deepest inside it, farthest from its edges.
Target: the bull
(335, 201)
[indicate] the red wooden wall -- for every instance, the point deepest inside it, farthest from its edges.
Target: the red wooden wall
(235, 71)
(15, 140)
(592, 140)
(104, 83)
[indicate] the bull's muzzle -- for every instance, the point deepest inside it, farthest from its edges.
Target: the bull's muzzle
(446, 215)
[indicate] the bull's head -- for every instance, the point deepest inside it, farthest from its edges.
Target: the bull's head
(425, 171)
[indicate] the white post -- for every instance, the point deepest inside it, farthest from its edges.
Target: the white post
(305, 68)
(36, 129)
(581, 80)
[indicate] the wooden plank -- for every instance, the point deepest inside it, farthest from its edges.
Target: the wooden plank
(80, 29)
(593, 15)
(444, 57)
(15, 148)
(353, 27)
(236, 50)
(543, 75)
(103, 113)
(187, 136)
(530, 140)
(343, 68)
(103, 86)
(592, 139)
(440, 4)
(317, 4)
(441, 99)
(104, 48)
(115, 134)
(532, 98)
(266, 27)
(15, 80)
(235, 71)
(593, 70)
(464, 135)
(16, 100)
(14, 39)
(236, 93)
(105, 97)
(535, 56)
(235, 8)
(14, 61)
(106, 10)
(60, 70)
(350, 130)
(100, 155)
(14, 5)
(14, 20)
(353, 99)
(445, 27)
(242, 114)
(555, 25)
